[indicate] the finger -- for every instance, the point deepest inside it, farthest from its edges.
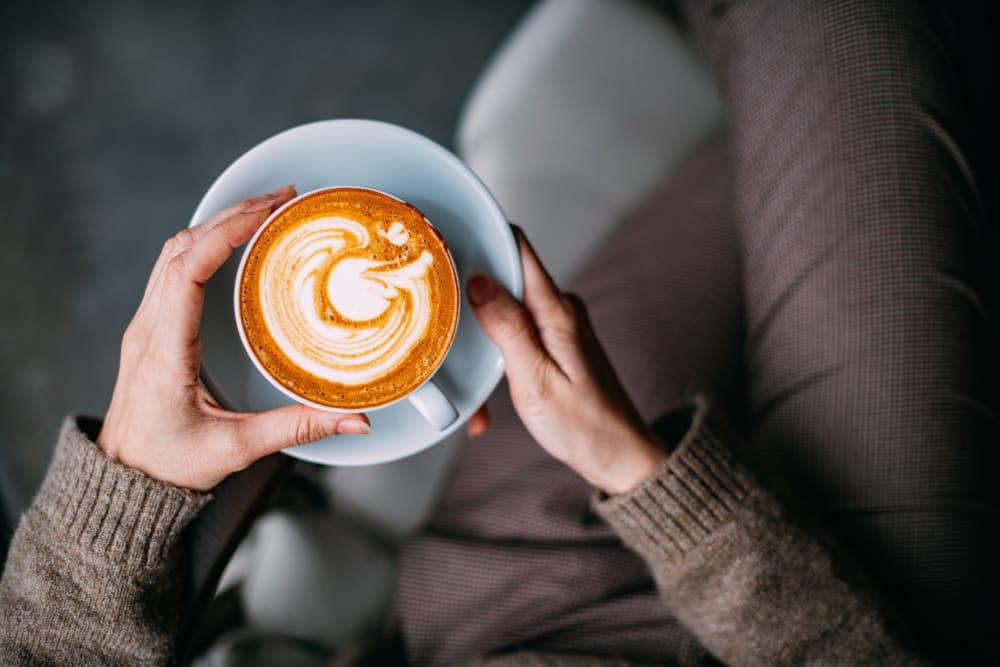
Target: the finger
(184, 277)
(508, 325)
(286, 192)
(541, 296)
(212, 250)
(185, 238)
(263, 433)
(479, 422)
(271, 201)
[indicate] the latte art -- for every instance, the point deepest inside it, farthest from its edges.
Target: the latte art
(349, 298)
(338, 314)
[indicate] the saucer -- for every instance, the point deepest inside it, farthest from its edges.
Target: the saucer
(401, 162)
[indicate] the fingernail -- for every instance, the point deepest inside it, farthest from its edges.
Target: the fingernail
(481, 289)
(259, 206)
(284, 189)
(353, 427)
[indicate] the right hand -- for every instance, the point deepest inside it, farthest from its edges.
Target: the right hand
(161, 420)
(561, 381)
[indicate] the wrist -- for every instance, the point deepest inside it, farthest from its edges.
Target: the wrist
(106, 440)
(623, 467)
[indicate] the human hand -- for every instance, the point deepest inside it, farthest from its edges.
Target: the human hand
(561, 381)
(161, 421)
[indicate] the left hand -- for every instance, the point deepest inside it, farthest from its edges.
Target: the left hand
(161, 420)
(561, 381)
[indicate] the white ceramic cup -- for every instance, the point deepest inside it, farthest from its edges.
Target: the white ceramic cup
(428, 398)
(391, 159)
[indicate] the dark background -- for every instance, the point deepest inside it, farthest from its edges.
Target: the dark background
(115, 117)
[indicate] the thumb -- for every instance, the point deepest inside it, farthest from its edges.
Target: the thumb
(508, 325)
(264, 433)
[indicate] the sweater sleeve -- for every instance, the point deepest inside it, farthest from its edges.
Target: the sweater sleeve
(89, 578)
(738, 571)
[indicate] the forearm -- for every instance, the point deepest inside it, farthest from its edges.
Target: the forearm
(739, 572)
(90, 577)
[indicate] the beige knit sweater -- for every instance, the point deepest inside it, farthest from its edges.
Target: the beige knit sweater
(90, 578)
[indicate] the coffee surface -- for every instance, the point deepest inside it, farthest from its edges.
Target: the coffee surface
(348, 298)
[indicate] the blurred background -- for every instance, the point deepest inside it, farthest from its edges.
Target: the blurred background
(116, 116)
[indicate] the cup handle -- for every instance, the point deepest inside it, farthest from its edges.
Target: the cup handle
(431, 402)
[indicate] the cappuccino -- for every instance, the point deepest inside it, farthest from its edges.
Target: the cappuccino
(348, 298)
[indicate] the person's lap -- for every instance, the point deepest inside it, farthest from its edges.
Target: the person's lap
(513, 555)
(867, 339)
(852, 217)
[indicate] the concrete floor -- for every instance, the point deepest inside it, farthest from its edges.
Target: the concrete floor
(116, 116)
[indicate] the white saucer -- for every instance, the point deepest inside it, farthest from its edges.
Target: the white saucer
(395, 160)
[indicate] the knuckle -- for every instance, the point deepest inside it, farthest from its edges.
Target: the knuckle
(304, 430)
(535, 396)
(176, 268)
(130, 335)
(225, 230)
(178, 243)
(169, 247)
(184, 238)
(575, 312)
(563, 319)
(544, 386)
(568, 319)
(512, 324)
(130, 339)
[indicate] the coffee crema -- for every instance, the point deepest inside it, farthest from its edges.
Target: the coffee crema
(348, 298)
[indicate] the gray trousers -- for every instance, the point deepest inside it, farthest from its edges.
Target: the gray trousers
(819, 268)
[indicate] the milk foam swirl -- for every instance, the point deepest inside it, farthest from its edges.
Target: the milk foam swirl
(335, 311)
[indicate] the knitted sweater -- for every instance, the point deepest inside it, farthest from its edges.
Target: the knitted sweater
(90, 578)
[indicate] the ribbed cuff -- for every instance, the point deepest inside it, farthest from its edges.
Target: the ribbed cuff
(693, 492)
(92, 499)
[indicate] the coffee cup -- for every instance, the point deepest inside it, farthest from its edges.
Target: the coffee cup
(347, 299)
(395, 160)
